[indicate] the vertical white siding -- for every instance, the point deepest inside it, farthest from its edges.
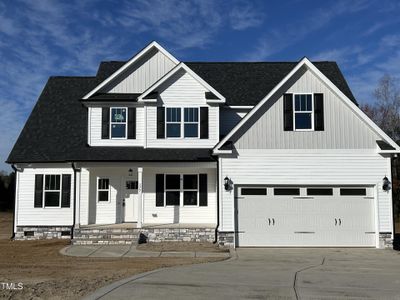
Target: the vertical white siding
(141, 75)
(182, 90)
(95, 115)
(229, 117)
(315, 167)
(343, 128)
(50, 216)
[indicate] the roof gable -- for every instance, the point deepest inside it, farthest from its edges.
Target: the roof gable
(137, 74)
(307, 64)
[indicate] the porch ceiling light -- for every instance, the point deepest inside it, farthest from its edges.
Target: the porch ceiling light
(386, 184)
(130, 172)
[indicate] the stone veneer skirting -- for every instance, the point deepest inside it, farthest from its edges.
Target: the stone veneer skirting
(385, 241)
(42, 232)
(179, 234)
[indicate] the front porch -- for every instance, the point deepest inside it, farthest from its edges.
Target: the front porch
(162, 201)
(129, 233)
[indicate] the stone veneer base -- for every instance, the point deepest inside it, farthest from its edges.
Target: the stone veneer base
(42, 232)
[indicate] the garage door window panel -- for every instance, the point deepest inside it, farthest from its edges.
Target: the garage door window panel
(254, 191)
(286, 191)
(319, 192)
(353, 192)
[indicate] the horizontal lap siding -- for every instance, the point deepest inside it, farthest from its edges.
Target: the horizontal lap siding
(343, 128)
(27, 214)
(182, 90)
(165, 215)
(95, 130)
(299, 168)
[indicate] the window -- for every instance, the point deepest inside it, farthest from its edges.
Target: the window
(173, 122)
(52, 191)
(103, 190)
(353, 192)
(190, 189)
(286, 191)
(254, 191)
(131, 185)
(172, 189)
(319, 192)
(191, 122)
(303, 112)
(118, 122)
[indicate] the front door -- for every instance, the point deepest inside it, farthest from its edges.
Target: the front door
(130, 200)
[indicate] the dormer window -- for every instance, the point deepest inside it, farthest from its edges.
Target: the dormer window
(118, 128)
(176, 128)
(303, 112)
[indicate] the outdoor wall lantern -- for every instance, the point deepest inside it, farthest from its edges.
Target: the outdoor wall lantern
(227, 183)
(130, 172)
(386, 184)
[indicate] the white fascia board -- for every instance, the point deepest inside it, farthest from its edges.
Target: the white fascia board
(153, 44)
(260, 104)
(193, 74)
(240, 106)
(222, 151)
(389, 151)
(305, 61)
(351, 104)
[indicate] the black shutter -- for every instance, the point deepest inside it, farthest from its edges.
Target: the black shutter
(319, 112)
(204, 122)
(66, 190)
(132, 123)
(105, 123)
(288, 112)
(203, 193)
(38, 190)
(160, 122)
(159, 189)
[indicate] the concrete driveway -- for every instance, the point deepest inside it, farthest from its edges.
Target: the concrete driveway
(273, 274)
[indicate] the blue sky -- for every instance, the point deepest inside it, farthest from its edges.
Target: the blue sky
(43, 38)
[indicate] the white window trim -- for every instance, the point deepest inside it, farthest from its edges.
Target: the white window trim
(172, 190)
(44, 193)
(182, 123)
(126, 123)
(181, 190)
(102, 190)
(305, 111)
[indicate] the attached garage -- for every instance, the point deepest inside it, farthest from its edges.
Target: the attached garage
(314, 216)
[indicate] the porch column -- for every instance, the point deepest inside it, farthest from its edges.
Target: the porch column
(77, 200)
(140, 197)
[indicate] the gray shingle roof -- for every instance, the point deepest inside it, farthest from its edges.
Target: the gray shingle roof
(56, 130)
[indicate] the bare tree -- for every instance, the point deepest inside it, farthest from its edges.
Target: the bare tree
(385, 112)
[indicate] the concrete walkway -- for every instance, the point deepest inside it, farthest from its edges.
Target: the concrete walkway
(109, 251)
(271, 274)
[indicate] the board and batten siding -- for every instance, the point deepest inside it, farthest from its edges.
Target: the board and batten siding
(229, 117)
(182, 90)
(343, 128)
(178, 214)
(95, 122)
(314, 167)
(27, 214)
(142, 74)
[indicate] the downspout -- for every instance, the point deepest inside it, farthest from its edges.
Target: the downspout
(15, 197)
(216, 228)
(74, 211)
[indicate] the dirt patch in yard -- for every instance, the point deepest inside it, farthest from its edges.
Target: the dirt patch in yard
(46, 274)
(181, 246)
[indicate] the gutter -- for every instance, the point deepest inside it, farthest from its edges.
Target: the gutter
(73, 165)
(16, 170)
(218, 199)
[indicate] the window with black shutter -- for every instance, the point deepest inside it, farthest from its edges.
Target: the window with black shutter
(288, 112)
(38, 190)
(132, 123)
(159, 189)
(318, 112)
(160, 122)
(203, 190)
(66, 190)
(105, 123)
(204, 122)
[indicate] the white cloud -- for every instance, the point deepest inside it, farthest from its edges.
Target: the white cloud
(245, 16)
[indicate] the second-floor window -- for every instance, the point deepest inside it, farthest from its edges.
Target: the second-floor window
(303, 112)
(178, 128)
(118, 124)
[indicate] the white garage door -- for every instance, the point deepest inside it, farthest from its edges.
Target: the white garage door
(307, 216)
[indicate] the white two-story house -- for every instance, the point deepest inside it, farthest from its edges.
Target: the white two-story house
(244, 154)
